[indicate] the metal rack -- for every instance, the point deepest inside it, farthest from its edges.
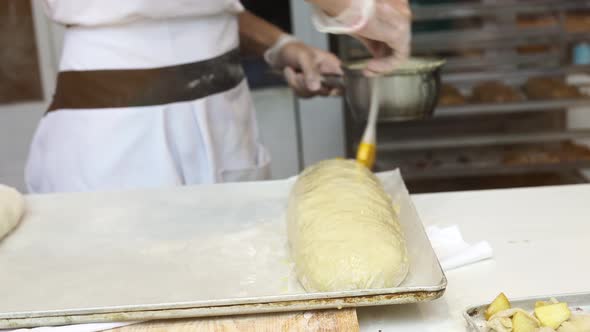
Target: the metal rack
(493, 32)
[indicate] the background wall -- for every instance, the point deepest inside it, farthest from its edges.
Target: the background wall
(18, 120)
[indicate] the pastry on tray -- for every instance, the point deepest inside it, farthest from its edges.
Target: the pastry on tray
(543, 88)
(450, 96)
(530, 158)
(566, 152)
(577, 22)
(495, 92)
(537, 21)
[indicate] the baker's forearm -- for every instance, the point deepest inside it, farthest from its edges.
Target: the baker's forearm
(256, 34)
(331, 7)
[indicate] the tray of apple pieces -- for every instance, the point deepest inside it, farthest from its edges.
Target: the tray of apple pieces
(561, 313)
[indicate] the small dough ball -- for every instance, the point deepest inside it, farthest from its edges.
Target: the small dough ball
(343, 230)
(12, 207)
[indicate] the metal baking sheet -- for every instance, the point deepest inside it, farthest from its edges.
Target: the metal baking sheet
(579, 303)
(179, 252)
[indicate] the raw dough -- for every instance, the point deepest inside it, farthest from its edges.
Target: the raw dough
(343, 231)
(12, 207)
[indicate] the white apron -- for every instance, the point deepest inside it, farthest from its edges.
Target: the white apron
(208, 140)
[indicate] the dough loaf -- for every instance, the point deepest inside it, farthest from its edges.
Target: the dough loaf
(12, 207)
(343, 231)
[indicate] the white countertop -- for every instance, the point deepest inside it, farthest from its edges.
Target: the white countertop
(540, 237)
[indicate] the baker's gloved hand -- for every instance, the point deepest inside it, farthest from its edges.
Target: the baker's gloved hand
(383, 26)
(303, 66)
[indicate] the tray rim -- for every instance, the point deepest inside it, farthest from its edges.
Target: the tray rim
(151, 312)
(272, 299)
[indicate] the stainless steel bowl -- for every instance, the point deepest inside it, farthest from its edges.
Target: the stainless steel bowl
(407, 93)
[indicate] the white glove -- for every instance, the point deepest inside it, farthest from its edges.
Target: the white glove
(383, 26)
(352, 19)
(303, 66)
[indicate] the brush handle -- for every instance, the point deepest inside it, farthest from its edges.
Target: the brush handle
(367, 150)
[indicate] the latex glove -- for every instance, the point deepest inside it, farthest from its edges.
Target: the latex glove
(303, 66)
(383, 26)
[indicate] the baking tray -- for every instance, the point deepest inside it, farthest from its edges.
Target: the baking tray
(180, 252)
(578, 303)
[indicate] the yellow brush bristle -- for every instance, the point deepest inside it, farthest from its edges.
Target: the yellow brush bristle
(366, 154)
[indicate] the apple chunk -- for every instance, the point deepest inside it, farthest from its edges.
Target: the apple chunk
(500, 303)
(540, 304)
(523, 323)
(553, 315)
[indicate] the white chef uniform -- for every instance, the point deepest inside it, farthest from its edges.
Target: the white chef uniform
(205, 140)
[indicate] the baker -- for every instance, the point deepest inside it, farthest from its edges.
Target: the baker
(151, 93)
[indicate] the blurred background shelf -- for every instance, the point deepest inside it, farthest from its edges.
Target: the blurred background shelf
(489, 160)
(432, 10)
(515, 89)
(459, 141)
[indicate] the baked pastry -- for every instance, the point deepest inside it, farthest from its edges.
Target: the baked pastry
(542, 88)
(495, 92)
(564, 152)
(577, 22)
(450, 96)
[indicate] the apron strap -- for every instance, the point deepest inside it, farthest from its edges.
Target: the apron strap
(147, 87)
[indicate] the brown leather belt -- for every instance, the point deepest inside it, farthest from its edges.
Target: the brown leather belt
(147, 87)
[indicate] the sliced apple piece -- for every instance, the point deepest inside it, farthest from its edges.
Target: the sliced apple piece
(500, 303)
(523, 323)
(540, 304)
(553, 315)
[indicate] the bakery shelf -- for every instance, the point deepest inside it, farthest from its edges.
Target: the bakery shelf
(445, 172)
(518, 76)
(492, 62)
(496, 160)
(496, 108)
(490, 182)
(467, 10)
(481, 140)
(507, 43)
(487, 38)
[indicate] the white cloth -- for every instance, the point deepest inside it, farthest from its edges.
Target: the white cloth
(453, 251)
(109, 12)
(209, 140)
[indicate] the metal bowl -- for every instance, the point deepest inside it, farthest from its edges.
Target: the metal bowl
(407, 93)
